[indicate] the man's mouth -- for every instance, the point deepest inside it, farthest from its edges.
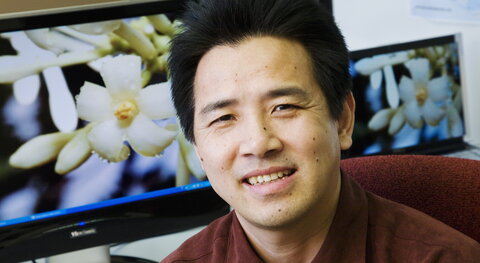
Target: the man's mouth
(268, 178)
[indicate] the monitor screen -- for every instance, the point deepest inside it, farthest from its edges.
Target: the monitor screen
(92, 152)
(408, 97)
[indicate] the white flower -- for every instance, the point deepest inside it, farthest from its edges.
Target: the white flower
(421, 95)
(39, 150)
(55, 41)
(162, 24)
(97, 28)
(394, 118)
(70, 149)
(23, 70)
(123, 111)
(369, 65)
(75, 152)
(377, 66)
(188, 162)
(455, 124)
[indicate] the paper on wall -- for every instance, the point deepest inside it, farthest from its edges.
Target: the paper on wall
(448, 10)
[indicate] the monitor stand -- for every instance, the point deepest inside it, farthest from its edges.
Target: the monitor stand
(99, 254)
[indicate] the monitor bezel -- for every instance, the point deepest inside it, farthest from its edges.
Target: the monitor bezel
(119, 223)
(434, 147)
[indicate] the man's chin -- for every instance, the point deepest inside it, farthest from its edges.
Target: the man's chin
(272, 219)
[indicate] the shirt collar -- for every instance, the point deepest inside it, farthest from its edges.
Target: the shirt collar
(346, 239)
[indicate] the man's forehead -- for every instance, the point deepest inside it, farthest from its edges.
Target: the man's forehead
(256, 55)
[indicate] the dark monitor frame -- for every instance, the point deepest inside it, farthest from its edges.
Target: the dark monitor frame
(113, 224)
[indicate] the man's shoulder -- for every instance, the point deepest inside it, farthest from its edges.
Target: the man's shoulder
(199, 248)
(406, 231)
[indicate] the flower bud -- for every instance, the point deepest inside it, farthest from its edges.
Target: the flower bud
(39, 150)
(74, 153)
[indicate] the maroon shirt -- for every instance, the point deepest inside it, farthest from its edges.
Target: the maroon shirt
(366, 228)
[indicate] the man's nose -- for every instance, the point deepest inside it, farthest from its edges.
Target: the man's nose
(259, 139)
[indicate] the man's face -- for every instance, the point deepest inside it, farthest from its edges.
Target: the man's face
(263, 131)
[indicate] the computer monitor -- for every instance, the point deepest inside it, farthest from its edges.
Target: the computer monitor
(56, 196)
(408, 97)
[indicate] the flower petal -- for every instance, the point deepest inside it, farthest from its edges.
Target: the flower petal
(413, 114)
(122, 76)
(26, 89)
(367, 66)
(39, 150)
(14, 68)
(455, 125)
(97, 28)
(147, 138)
(155, 101)
(62, 105)
(381, 119)
(376, 79)
(162, 24)
(182, 176)
(137, 41)
(432, 113)
(393, 97)
(74, 153)
(419, 69)
(397, 122)
(106, 139)
(94, 103)
(190, 157)
(97, 63)
(439, 88)
(54, 41)
(406, 89)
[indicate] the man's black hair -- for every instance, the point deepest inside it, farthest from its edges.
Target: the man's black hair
(210, 23)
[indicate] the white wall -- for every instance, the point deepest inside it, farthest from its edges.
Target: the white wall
(369, 23)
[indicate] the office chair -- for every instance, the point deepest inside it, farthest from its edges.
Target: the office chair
(445, 188)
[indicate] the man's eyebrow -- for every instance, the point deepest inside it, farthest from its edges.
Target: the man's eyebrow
(280, 92)
(218, 105)
(287, 91)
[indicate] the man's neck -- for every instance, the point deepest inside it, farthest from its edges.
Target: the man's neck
(298, 242)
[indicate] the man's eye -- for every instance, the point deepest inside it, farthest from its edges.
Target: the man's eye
(223, 118)
(283, 107)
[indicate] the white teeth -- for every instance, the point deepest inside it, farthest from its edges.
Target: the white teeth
(267, 178)
(252, 180)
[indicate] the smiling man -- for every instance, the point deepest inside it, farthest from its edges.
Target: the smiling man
(262, 89)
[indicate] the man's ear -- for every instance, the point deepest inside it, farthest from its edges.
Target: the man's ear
(346, 122)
